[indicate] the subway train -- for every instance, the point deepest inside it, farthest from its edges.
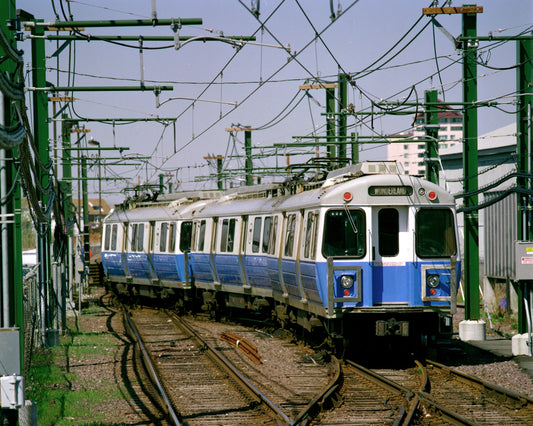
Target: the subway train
(365, 252)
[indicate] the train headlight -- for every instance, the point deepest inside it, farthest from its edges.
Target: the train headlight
(433, 281)
(346, 281)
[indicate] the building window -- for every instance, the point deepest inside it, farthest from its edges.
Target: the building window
(456, 128)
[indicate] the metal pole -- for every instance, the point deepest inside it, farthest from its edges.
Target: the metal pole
(248, 162)
(330, 119)
(524, 148)
(432, 132)
(342, 120)
(470, 167)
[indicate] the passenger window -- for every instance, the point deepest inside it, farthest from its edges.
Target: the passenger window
(266, 233)
(344, 233)
(107, 237)
(273, 237)
(140, 237)
(114, 238)
(201, 236)
(163, 237)
(389, 232)
(289, 236)
(134, 237)
(256, 238)
(310, 235)
(185, 236)
(172, 238)
(435, 233)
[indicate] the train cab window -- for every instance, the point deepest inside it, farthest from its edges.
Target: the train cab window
(344, 233)
(185, 236)
(273, 236)
(266, 233)
(227, 235)
(172, 237)
(289, 235)
(435, 233)
(389, 232)
(256, 236)
(163, 237)
(114, 237)
(107, 240)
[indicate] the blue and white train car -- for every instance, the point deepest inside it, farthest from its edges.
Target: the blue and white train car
(145, 247)
(368, 249)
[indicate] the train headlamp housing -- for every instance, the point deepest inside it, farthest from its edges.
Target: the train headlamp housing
(433, 281)
(346, 281)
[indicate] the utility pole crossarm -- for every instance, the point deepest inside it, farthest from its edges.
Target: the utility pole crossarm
(451, 10)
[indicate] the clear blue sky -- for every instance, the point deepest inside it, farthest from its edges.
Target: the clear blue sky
(363, 33)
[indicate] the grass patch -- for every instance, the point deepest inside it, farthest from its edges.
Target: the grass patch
(65, 390)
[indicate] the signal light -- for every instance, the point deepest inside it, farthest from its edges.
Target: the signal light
(347, 197)
(432, 196)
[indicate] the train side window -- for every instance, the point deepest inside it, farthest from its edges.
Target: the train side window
(389, 232)
(289, 235)
(171, 237)
(256, 238)
(185, 236)
(273, 236)
(114, 237)
(266, 233)
(227, 235)
(140, 237)
(201, 236)
(310, 235)
(163, 237)
(435, 233)
(133, 237)
(344, 233)
(107, 237)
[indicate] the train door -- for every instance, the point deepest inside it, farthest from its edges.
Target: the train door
(391, 253)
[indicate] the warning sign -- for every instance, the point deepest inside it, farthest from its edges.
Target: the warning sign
(527, 261)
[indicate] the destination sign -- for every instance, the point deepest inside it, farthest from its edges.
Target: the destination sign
(390, 191)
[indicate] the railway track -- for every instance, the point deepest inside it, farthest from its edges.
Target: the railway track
(433, 395)
(199, 385)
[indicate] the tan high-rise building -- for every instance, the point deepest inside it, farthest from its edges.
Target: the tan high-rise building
(411, 154)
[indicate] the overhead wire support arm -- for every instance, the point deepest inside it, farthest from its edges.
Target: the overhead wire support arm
(98, 88)
(69, 25)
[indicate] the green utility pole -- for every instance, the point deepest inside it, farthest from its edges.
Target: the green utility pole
(86, 242)
(524, 77)
(342, 117)
(219, 159)
(432, 133)
(41, 136)
(355, 148)
(11, 289)
(248, 151)
(470, 167)
(330, 118)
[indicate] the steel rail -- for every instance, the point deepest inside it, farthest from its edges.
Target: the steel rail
(519, 400)
(325, 394)
(231, 369)
(151, 370)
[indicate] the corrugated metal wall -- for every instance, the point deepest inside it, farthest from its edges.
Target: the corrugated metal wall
(500, 237)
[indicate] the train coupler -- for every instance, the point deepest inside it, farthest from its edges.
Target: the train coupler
(392, 327)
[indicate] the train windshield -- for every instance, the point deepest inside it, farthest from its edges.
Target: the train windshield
(344, 233)
(435, 233)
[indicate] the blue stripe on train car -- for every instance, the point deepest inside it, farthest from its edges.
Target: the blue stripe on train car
(139, 265)
(308, 277)
(255, 268)
(201, 267)
(166, 267)
(290, 278)
(228, 269)
(274, 271)
(113, 263)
